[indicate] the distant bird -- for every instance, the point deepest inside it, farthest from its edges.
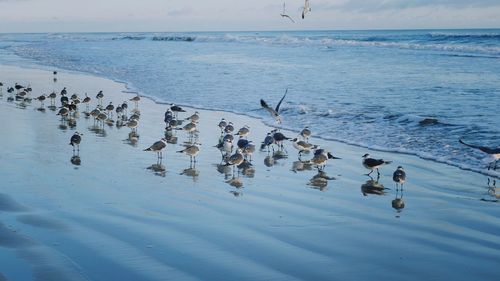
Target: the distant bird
(229, 128)
(399, 176)
(55, 72)
(284, 14)
(274, 111)
(10, 90)
(176, 109)
(222, 125)
(320, 159)
(158, 147)
(279, 138)
(236, 159)
(86, 101)
(248, 150)
(306, 9)
(373, 164)
(242, 143)
(110, 107)
(18, 87)
(132, 124)
(99, 97)
(64, 92)
(63, 112)
(192, 151)
(493, 154)
(303, 146)
(75, 140)
(268, 142)
(52, 97)
(190, 128)
(41, 99)
(195, 118)
(125, 107)
(243, 132)
(136, 100)
(305, 134)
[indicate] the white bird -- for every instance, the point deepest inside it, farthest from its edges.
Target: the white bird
(284, 14)
(274, 111)
(306, 9)
(493, 153)
(399, 176)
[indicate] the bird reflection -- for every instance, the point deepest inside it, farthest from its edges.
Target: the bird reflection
(247, 169)
(320, 181)
(492, 189)
(158, 169)
(372, 187)
(224, 169)
(235, 182)
(76, 160)
(191, 172)
(398, 203)
(269, 161)
(299, 166)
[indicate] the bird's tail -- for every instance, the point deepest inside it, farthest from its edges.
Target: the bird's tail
(180, 151)
(71, 144)
(387, 162)
(148, 149)
(330, 156)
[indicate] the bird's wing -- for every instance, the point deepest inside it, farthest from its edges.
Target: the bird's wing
(482, 148)
(281, 100)
(289, 18)
(370, 162)
(283, 8)
(264, 104)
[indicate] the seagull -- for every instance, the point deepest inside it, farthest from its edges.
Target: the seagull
(110, 109)
(243, 132)
(399, 176)
(372, 164)
(303, 146)
(63, 91)
(222, 125)
(494, 154)
(284, 15)
(305, 134)
(279, 138)
(75, 140)
(274, 111)
(158, 147)
(320, 158)
(41, 99)
(195, 118)
(306, 9)
(229, 128)
(268, 141)
(192, 151)
(136, 100)
(132, 124)
(236, 159)
(99, 97)
(86, 101)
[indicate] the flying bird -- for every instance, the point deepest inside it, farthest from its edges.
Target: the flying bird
(306, 9)
(494, 154)
(284, 14)
(274, 111)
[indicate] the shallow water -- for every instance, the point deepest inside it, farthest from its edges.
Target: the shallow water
(112, 218)
(413, 92)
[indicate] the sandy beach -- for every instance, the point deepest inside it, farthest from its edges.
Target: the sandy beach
(113, 217)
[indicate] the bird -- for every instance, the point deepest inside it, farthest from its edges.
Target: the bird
(274, 111)
(236, 159)
(303, 146)
(176, 109)
(52, 97)
(110, 107)
(41, 99)
(268, 141)
(279, 138)
(99, 97)
(86, 101)
(132, 124)
(306, 9)
(373, 164)
(64, 91)
(320, 158)
(136, 100)
(248, 150)
(399, 176)
(229, 128)
(243, 132)
(192, 151)
(222, 125)
(75, 140)
(63, 112)
(284, 15)
(305, 134)
(158, 147)
(493, 154)
(194, 118)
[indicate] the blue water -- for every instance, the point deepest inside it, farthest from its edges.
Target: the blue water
(413, 92)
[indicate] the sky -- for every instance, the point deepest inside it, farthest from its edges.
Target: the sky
(237, 15)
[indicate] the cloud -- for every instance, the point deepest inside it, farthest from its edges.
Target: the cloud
(382, 5)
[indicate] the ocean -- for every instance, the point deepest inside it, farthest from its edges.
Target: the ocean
(408, 91)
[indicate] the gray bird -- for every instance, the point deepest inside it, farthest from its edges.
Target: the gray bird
(274, 111)
(320, 158)
(399, 176)
(158, 147)
(75, 140)
(305, 134)
(493, 154)
(192, 151)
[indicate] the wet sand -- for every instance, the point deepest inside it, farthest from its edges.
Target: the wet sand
(113, 217)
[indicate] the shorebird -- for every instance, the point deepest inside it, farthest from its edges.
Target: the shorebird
(63, 112)
(192, 151)
(305, 134)
(86, 101)
(75, 140)
(52, 97)
(176, 109)
(158, 147)
(229, 128)
(243, 132)
(268, 141)
(136, 100)
(18, 87)
(132, 124)
(190, 128)
(493, 154)
(125, 107)
(225, 146)
(63, 91)
(195, 118)
(169, 117)
(222, 125)
(41, 99)
(99, 97)
(372, 164)
(303, 146)
(248, 150)
(279, 138)
(110, 109)
(242, 143)
(399, 176)
(320, 158)
(236, 159)
(284, 15)
(64, 99)
(306, 9)
(94, 113)
(1, 88)
(274, 111)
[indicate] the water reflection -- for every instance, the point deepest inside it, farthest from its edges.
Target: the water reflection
(372, 186)
(492, 189)
(320, 181)
(299, 166)
(235, 182)
(269, 161)
(398, 203)
(191, 172)
(158, 169)
(247, 169)
(76, 160)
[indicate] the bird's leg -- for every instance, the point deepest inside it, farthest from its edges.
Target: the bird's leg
(378, 173)
(369, 173)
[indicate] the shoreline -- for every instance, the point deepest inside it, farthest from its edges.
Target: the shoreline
(112, 217)
(130, 89)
